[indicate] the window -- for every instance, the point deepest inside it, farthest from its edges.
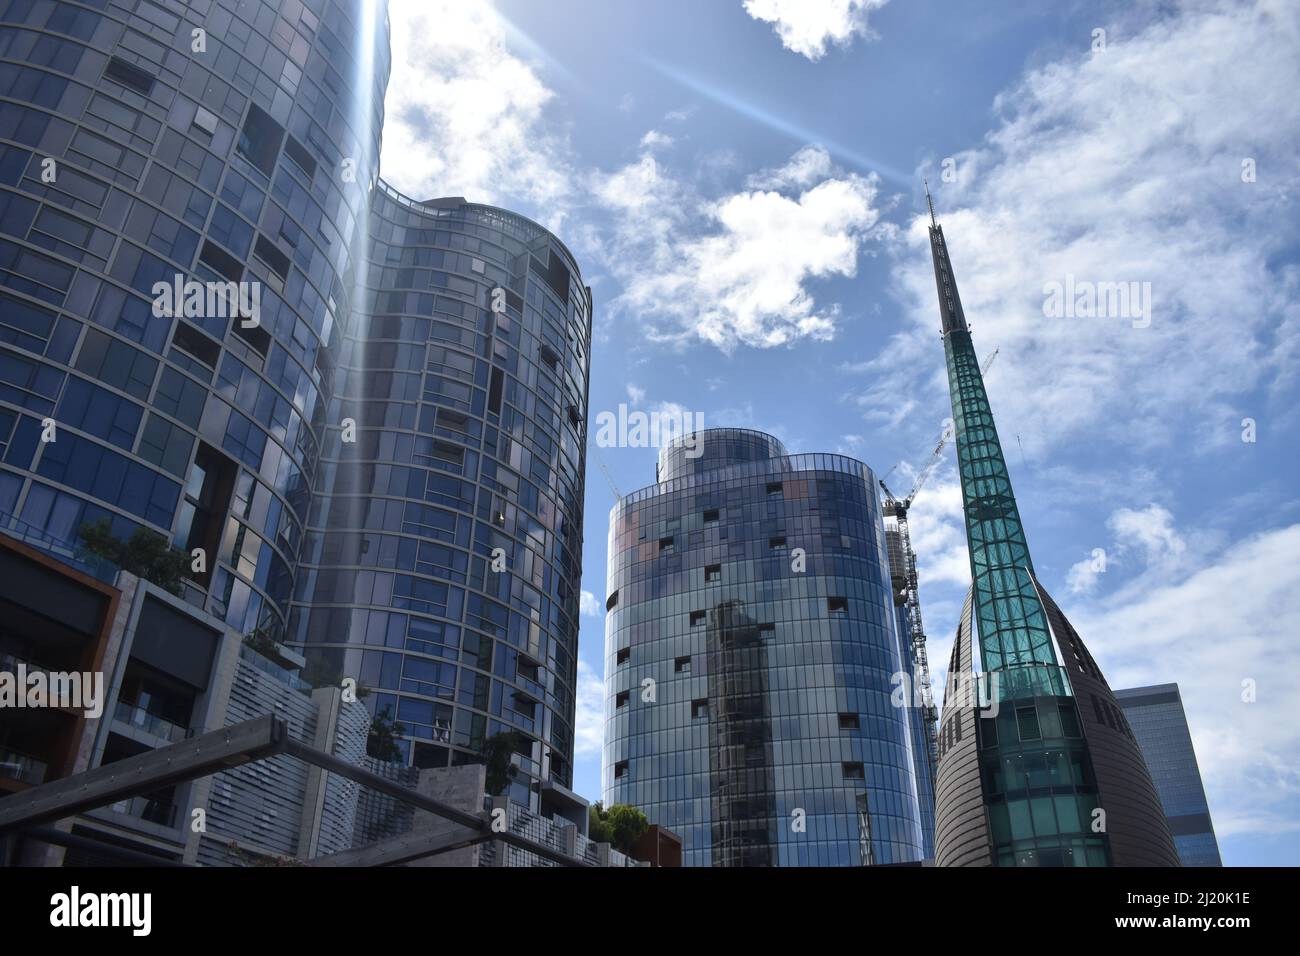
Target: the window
(270, 254)
(260, 139)
(300, 155)
(623, 656)
(256, 336)
(221, 262)
(194, 343)
(129, 75)
(773, 488)
(682, 665)
(495, 388)
(665, 545)
(1027, 721)
(166, 445)
(837, 605)
(1069, 721)
(698, 617)
(611, 601)
(699, 708)
(849, 722)
(205, 121)
(710, 515)
(549, 356)
(712, 572)
(854, 771)
(528, 669)
(620, 769)
(622, 698)
(776, 542)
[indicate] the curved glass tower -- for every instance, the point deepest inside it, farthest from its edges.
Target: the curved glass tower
(1029, 774)
(350, 402)
(751, 659)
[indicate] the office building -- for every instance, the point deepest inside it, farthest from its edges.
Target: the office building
(1159, 723)
(751, 651)
(362, 415)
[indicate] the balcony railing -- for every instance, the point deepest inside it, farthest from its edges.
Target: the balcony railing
(66, 551)
(141, 719)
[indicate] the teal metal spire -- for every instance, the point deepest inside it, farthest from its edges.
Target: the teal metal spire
(1014, 639)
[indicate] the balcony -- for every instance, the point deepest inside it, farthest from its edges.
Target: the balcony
(140, 719)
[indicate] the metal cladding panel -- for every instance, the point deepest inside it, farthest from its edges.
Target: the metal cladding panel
(1135, 819)
(961, 833)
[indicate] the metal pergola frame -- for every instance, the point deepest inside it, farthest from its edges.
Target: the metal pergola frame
(28, 814)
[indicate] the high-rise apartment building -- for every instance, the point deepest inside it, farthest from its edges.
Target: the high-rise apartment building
(1037, 765)
(1159, 723)
(364, 413)
(751, 659)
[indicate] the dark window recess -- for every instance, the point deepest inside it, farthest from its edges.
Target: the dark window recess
(837, 605)
(699, 708)
(620, 769)
(260, 139)
(270, 253)
(849, 722)
(697, 617)
(611, 601)
(665, 544)
(774, 487)
(256, 336)
(854, 771)
(300, 155)
(495, 388)
(129, 75)
(550, 356)
(575, 417)
(713, 572)
(778, 541)
(1069, 721)
(202, 513)
(221, 262)
(682, 665)
(767, 628)
(527, 669)
(988, 732)
(711, 515)
(1027, 721)
(623, 656)
(622, 698)
(193, 342)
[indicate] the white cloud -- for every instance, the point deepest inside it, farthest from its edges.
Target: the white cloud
(1232, 619)
(1082, 576)
(737, 272)
(464, 115)
(589, 729)
(1126, 166)
(808, 27)
(1151, 529)
(656, 140)
(588, 605)
(635, 395)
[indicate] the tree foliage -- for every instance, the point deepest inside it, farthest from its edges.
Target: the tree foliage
(498, 751)
(145, 554)
(621, 825)
(384, 731)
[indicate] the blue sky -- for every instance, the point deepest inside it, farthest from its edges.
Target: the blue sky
(741, 183)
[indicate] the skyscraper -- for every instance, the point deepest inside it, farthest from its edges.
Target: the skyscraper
(364, 412)
(1037, 765)
(752, 658)
(1160, 725)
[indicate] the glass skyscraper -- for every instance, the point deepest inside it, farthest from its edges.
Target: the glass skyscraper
(752, 655)
(1160, 725)
(385, 468)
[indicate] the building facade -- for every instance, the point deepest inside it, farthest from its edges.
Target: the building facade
(751, 654)
(365, 414)
(1037, 766)
(1159, 723)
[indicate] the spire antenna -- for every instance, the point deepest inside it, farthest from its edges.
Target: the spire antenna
(929, 202)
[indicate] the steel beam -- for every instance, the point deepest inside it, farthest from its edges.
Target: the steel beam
(212, 752)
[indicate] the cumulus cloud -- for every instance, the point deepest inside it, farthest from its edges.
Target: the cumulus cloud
(736, 269)
(809, 27)
(588, 605)
(465, 115)
(1126, 166)
(589, 729)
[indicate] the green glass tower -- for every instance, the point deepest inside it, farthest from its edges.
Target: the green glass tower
(1028, 775)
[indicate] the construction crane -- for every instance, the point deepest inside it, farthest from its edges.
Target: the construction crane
(605, 471)
(906, 588)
